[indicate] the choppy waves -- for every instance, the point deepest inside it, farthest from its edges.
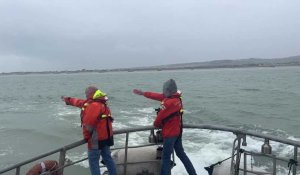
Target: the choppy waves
(265, 103)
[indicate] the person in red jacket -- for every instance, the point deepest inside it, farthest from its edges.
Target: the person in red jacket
(169, 118)
(96, 122)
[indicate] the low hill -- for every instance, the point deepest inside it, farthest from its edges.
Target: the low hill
(250, 62)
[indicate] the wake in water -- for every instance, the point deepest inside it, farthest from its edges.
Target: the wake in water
(204, 147)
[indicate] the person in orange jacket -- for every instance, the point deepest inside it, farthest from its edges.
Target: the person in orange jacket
(169, 118)
(96, 122)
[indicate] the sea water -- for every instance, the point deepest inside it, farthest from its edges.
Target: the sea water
(34, 120)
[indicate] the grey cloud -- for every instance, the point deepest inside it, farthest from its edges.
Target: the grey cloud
(51, 35)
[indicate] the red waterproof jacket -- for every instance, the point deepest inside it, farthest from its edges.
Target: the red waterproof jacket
(170, 105)
(96, 121)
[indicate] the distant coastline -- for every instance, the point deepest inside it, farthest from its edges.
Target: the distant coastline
(242, 63)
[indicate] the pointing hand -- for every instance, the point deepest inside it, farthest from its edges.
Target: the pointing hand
(65, 99)
(138, 92)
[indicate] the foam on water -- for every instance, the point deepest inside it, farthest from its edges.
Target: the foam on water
(74, 156)
(146, 110)
(141, 121)
(293, 138)
(139, 111)
(6, 151)
(64, 112)
(219, 147)
(118, 124)
(68, 115)
(127, 112)
(134, 117)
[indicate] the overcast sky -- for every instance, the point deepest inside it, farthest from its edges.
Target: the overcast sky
(38, 35)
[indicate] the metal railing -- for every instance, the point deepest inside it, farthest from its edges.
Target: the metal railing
(241, 134)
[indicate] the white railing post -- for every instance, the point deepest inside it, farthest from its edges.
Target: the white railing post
(18, 170)
(295, 158)
(62, 158)
(126, 151)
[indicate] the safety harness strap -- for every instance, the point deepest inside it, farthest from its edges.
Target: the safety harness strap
(177, 113)
(107, 117)
(165, 120)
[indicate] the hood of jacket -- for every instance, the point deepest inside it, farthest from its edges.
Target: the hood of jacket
(93, 93)
(169, 88)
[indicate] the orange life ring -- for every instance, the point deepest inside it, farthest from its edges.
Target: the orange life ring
(47, 165)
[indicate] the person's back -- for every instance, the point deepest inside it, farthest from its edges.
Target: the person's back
(97, 129)
(169, 118)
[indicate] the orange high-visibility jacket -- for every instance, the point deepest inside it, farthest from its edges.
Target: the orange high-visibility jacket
(96, 121)
(171, 127)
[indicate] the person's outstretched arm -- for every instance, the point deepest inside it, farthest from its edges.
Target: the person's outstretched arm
(151, 95)
(73, 101)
